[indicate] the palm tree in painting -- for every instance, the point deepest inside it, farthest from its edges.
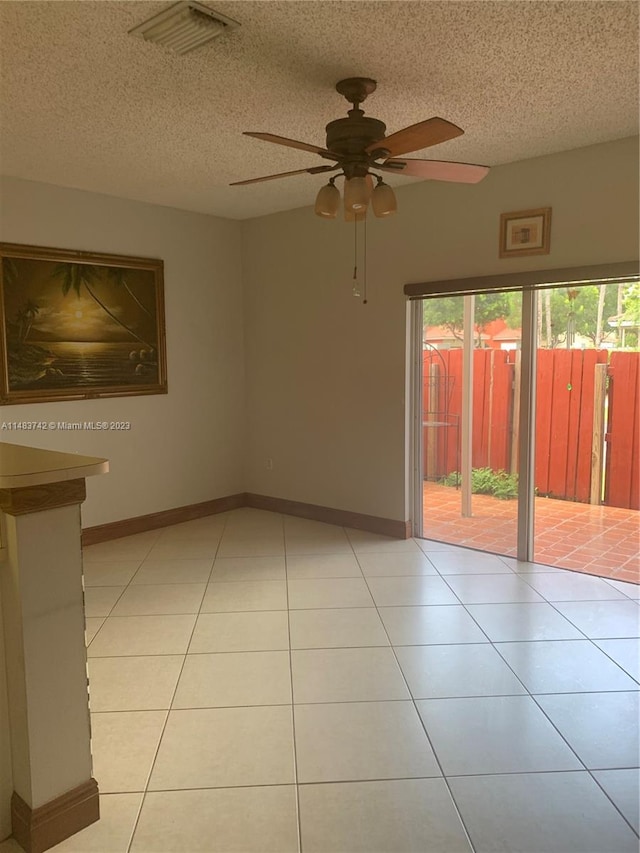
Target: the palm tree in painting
(31, 311)
(78, 276)
(118, 277)
(24, 318)
(9, 271)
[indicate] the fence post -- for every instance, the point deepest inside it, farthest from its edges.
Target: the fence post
(597, 441)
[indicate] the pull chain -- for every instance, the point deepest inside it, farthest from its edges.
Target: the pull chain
(355, 289)
(364, 283)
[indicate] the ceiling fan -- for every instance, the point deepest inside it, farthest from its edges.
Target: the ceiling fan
(356, 145)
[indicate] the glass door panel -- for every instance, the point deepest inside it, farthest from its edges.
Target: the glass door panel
(470, 420)
(587, 466)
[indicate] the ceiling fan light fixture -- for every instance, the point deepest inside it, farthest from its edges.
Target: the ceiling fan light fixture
(383, 199)
(357, 193)
(328, 201)
(184, 26)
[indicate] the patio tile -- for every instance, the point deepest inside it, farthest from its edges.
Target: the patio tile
(598, 540)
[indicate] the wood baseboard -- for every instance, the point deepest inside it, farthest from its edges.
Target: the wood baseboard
(340, 517)
(142, 523)
(37, 830)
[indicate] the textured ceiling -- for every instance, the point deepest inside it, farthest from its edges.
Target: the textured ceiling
(84, 104)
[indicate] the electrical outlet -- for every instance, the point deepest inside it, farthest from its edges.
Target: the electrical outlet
(269, 464)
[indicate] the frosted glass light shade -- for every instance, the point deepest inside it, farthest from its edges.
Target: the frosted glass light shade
(327, 202)
(357, 193)
(383, 200)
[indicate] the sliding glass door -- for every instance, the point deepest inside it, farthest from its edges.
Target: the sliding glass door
(529, 412)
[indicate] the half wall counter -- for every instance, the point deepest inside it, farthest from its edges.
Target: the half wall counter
(47, 791)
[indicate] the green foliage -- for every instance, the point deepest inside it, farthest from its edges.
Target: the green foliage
(486, 481)
(631, 304)
(448, 311)
(584, 308)
(561, 310)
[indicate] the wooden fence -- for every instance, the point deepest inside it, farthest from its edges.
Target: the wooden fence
(576, 400)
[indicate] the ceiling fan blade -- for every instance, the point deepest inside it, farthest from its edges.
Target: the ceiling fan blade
(314, 170)
(292, 143)
(417, 136)
(437, 170)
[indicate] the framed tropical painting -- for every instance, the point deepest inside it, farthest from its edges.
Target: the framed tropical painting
(77, 325)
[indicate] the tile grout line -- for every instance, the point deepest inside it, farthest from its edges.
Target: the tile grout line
(139, 808)
(422, 722)
(166, 719)
(528, 693)
(548, 718)
(293, 715)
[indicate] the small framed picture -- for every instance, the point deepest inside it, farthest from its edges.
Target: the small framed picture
(525, 232)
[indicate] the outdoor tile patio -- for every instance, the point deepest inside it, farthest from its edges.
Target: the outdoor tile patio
(599, 540)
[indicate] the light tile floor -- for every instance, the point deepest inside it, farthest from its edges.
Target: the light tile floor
(266, 683)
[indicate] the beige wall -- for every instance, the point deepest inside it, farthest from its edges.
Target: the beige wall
(326, 375)
(183, 447)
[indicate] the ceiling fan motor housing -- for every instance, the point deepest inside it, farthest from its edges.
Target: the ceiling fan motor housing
(350, 136)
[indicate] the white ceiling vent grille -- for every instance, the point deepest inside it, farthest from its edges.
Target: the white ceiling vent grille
(184, 26)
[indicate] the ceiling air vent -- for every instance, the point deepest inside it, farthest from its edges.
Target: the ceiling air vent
(184, 26)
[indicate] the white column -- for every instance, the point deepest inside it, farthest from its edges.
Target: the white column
(43, 613)
(42, 601)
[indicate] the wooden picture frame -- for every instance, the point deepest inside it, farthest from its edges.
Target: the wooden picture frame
(525, 232)
(79, 325)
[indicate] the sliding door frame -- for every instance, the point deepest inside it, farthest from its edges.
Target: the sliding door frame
(529, 284)
(416, 404)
